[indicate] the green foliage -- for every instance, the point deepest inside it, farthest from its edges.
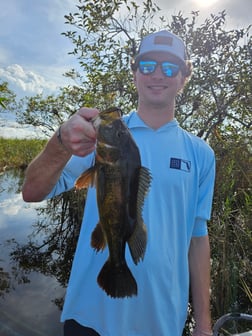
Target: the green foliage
(6, 96)
(47, 112)
(104, 44)
(2, 99)
(231, 227)
(218, 94)
(15, 153)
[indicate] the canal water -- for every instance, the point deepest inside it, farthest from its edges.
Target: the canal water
(30, 297)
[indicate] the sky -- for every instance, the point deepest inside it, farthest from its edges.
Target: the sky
(34, 54)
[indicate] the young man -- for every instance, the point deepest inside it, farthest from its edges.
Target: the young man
(175, 212)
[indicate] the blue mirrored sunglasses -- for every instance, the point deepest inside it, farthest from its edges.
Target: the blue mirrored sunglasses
(148, 67)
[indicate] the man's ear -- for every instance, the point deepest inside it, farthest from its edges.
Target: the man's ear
(134, 77)
(182, 83)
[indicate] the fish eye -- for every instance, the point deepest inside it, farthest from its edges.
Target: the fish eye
(119, 133)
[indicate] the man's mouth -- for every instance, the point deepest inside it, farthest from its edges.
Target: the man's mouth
(157, 87)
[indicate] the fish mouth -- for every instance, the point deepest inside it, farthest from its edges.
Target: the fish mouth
(105, 153)
(106, 117)
(96, 121)
(106, 145)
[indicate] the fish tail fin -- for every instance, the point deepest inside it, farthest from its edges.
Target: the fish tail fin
(137, 242)
(117, 281)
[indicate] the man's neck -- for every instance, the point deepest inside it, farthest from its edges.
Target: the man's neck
(155, 117)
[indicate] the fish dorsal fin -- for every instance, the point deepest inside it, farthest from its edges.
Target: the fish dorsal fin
(86, 179)
(138, 240)
(143, 188)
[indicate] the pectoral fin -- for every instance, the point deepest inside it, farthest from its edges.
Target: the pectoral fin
(86, 179)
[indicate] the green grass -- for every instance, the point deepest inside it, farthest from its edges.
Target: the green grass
(17, 153)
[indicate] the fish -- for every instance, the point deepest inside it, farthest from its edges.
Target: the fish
(122, 184)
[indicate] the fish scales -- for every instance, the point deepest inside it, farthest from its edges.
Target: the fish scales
(121, 187)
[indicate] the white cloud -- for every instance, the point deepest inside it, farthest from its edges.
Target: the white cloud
(10, 129)
(16, 215)
(35, 40)
(26, 81)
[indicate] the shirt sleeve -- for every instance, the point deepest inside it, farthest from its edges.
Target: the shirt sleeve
(73, 169)
(205, 194)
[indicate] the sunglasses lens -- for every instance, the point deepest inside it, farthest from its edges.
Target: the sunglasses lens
(170, 69)
(147, 67)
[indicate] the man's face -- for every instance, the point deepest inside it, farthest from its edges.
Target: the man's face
(156, 89)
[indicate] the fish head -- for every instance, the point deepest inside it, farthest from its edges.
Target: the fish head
(111, 135)
(106, 117)
(109, 126)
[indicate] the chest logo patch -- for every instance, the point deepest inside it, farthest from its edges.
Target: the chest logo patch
(180, 164)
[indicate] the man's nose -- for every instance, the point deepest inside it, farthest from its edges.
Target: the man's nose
(158, 71)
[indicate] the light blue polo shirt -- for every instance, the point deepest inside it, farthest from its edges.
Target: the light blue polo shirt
(176, 209)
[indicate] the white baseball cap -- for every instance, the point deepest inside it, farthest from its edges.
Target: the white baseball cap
(164, 41)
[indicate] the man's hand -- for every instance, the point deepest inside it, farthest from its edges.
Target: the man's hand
(78, 135)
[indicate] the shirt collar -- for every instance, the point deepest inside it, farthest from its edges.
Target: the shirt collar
(133, 120)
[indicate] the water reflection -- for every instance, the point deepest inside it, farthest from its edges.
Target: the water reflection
(37, 242)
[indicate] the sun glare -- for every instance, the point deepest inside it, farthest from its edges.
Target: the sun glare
(205, 3)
